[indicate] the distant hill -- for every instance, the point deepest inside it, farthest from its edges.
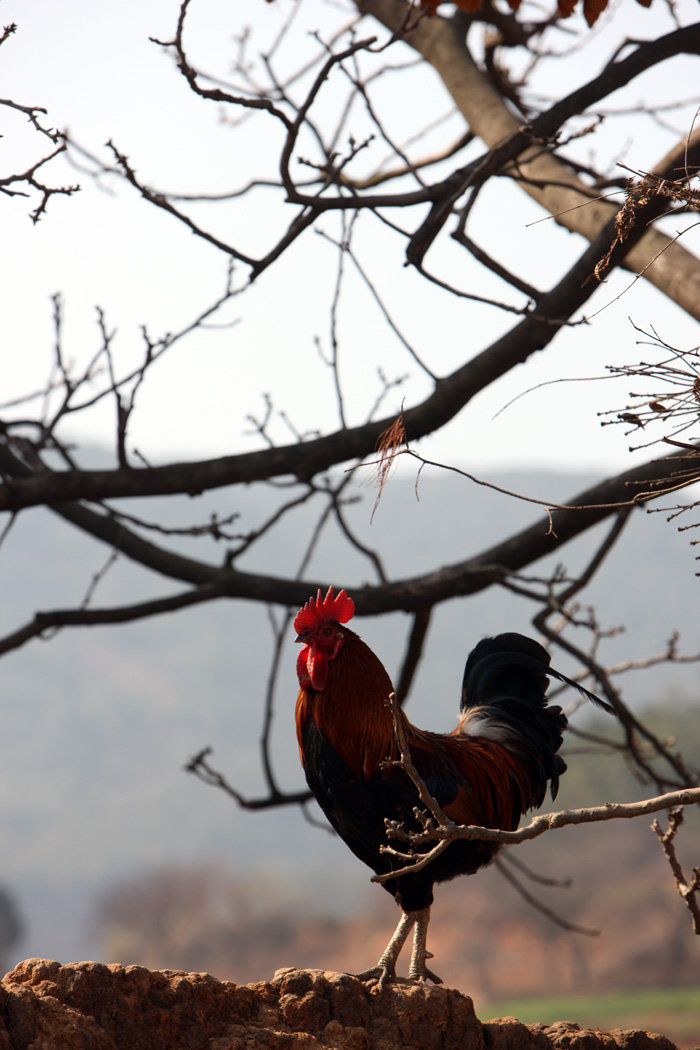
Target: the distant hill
(97, 723)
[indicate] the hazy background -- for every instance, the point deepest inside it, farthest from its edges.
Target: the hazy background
(97, 724)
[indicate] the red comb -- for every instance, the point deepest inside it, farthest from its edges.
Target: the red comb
(337, 607)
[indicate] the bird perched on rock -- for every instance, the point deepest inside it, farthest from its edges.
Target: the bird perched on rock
(491, 769)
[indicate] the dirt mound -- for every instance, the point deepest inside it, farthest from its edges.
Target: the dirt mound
(91, 1006)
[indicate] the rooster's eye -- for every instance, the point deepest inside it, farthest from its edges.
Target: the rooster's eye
(326, 632)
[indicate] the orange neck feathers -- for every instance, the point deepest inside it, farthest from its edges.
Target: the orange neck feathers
(351, 710)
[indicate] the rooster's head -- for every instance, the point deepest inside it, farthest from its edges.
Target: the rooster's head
(318, 628)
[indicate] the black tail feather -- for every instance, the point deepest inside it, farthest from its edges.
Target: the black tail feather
(504, 697)
(496, 664)
(602, 704)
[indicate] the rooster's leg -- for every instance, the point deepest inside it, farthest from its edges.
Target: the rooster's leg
(418, 971)
(385, 970)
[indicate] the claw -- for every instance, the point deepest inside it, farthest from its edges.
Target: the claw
(424, 975)
(385, 970)
(382, 973)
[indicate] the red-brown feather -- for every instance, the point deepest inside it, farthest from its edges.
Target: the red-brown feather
(495, 766)
(495, 788)
(352, 714)
(351, 711)
(347, 743)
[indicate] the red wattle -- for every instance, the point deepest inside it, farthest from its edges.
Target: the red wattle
(317, 666)
(302, 672)
(312, 668)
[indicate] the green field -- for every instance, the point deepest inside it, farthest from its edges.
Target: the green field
(674, 1012)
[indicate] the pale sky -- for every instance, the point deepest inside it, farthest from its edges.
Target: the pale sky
(94, 69)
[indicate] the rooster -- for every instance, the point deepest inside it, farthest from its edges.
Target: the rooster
(491, 769)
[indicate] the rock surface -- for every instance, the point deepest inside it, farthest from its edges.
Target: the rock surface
(91, 1006)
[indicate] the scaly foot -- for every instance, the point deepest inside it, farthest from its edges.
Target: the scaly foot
(382, 973)
(424, 974)
(385, 970)
(418, 971)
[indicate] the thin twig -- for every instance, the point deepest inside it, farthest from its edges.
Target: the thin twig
(689, 890)
(446, 833)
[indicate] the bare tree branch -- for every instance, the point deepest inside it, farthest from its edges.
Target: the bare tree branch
(200, 766)
(339, 150)
(438, 828)
(536, 903)
(441, 42)
(689, 890)
(52, 620)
